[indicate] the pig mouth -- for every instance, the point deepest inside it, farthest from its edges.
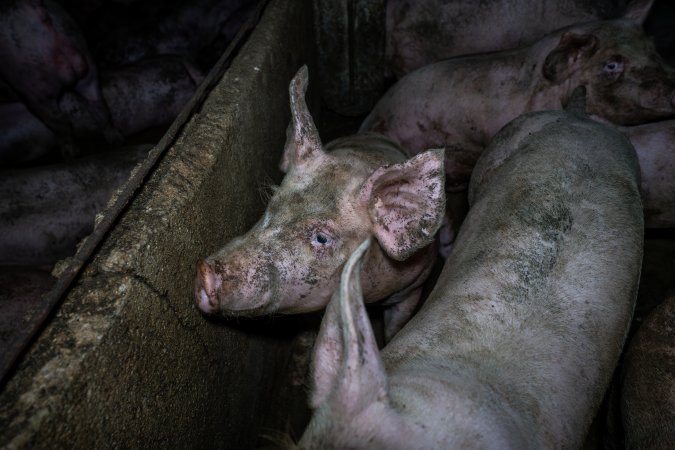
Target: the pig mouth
(268, 305)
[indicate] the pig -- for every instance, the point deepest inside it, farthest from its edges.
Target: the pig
(46, 58)
(121, 34)
(46, 210)
(517, 342)
(461, 103)
(655, 147)
(648, 381)
(148, 93)
(328, 201)
(424, 32)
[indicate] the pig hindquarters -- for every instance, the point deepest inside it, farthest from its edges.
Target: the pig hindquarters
(45, 211)
(459, 104)
(328, 202)
(516, 344)
(648, 382)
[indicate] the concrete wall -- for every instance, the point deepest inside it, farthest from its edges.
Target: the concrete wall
(127, 361)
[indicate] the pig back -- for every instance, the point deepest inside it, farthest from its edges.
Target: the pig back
(536, 298)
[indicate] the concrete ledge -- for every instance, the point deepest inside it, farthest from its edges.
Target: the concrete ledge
(127, 361)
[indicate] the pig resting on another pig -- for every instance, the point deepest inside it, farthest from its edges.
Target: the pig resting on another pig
(328, 202)
(460, 103)
(516, 345)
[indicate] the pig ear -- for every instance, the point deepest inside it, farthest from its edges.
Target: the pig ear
(347, 371)
(302, 138)
(406, 203)
(570, 54)
(638, 10)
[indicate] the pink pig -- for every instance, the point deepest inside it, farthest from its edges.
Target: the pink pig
(329, 201)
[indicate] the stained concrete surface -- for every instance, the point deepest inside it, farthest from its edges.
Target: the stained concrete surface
(127, 361)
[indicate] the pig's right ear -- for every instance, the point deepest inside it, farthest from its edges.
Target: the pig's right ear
(572, 52)
(302, 138)
(406, 203)
(638, 10)
(347, 371)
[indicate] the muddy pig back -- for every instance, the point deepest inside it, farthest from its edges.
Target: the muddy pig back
(516, 344)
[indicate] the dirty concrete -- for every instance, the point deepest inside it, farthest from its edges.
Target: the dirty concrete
(127, 361)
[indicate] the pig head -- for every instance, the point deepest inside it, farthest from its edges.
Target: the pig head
(328, 202)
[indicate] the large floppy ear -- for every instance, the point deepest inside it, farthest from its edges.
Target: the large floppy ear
(406, 202)
(347, 371)
(638, 10)
(570, 54)
(302, 138)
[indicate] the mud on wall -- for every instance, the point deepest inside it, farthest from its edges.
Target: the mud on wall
(127, 361)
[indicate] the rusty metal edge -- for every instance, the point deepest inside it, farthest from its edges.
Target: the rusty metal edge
(89, 245)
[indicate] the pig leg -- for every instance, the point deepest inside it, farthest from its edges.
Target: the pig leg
(399, 313)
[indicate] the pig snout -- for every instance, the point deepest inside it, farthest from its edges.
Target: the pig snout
(206, 296)
(233, 289)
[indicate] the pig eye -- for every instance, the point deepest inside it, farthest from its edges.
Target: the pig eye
(613, 67)
(320, 238)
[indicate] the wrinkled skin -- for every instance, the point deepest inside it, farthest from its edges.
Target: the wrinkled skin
(461, 103)
(148, 93)
(648, 382)
(328, 202)
(424, 32)
(44, 58)
(46, 210)
(516, 344)
(655, 147)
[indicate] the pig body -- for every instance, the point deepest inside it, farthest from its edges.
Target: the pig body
(329, 200)
(655, 147)
(461, 103)
(145, 94)
(45, 211)
(516, 344)
(46, 58)
(648, 382)
(421, 33)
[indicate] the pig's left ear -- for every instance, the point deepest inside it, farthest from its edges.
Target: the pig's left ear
(571, 53)
(347, 371)
(302, 138)
(406, 203)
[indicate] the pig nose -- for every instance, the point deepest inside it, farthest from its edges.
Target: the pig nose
(205, 289)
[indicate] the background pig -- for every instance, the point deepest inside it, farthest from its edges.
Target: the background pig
(460, 103)
(46, 58)
(328, 202)
(145, 94)
(45, 211)
(423, 32)
(517, 342)
(655, 147)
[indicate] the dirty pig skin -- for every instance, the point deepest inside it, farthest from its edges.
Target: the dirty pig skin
(329, 201)
(516, 344)
(462, 102)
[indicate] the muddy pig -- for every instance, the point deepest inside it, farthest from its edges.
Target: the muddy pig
(461, 103)
(423, 32)
(46, 210)
(515, 346)
(328, 202)
(648, 382)
(44, 58)
(655, 147)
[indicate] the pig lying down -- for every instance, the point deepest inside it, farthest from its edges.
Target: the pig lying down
(516, 345)
(460, 103)
(329, 201)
